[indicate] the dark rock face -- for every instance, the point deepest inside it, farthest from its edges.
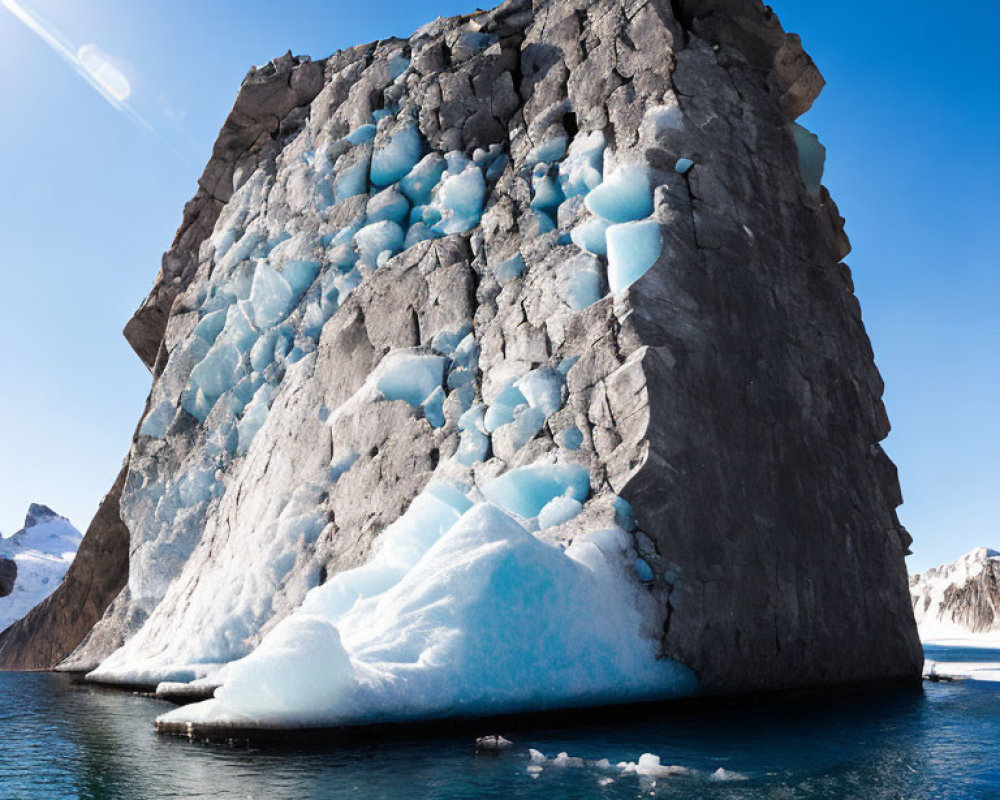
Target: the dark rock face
(37, 514)
(8, 576)
(729, 394)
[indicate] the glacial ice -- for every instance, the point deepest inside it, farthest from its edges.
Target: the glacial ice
(501, 410)
(271, 296)
(378, 238)
(217, 372)
(525, 426)
(390, 205)
(362, 134)
(410, 376)
(351, 181)
(643, 570)
(591, 235)
(581, 172)
(461, 611)
(683, 165)
(571, 438)
(624, 196)
(557, 511)
(542, 389)
(812, 157)
(394, 160)
(158, 420)
(462, 196)
(526, 490)
(633, 248)
(418, 184)
(550, 150)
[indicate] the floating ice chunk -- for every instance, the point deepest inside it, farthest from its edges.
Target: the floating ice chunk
(211, 325)
(571, 438)
(581, 171)
(643, 570)
(396, 158)
(633, 248)
(649, 766)
(566, 760)
(591, 235)
(557, 511)
(378, 237)
(410, 376)
(605, 781)
(419, 182)
(493, 743)
(722, 774)
(624, 196)
(158, 420)
(534, 770)
(362, 134)
(812, 157)
(433, 408)
(526, 490)
(683, 165)
(509, 270)
(542, 388)
(353, 180)
(271, 296)
(217, 372)
(388, 204)
(473, 447)
(536, 756)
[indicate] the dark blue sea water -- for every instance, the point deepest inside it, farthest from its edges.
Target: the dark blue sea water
(62, 740)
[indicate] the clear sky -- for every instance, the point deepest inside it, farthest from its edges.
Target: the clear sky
(96, 171)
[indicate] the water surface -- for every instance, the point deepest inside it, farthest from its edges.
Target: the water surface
(63, 740)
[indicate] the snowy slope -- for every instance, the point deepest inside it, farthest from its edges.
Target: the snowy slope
(43, 550)
(959, 601)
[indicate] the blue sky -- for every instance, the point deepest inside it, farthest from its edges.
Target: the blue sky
(95, 184)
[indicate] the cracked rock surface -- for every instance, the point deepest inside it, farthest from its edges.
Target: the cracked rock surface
(596, 231)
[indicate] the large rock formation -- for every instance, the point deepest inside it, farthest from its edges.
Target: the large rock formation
(960, 600)
(8, 575)
(570, 261)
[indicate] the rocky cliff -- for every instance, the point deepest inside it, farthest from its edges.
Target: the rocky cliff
(960, 600)
(520, 350)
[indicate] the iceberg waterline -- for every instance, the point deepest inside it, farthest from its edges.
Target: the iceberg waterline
(461, 611)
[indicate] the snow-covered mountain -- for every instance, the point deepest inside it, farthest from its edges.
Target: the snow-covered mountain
(42, 551)
(959, 601)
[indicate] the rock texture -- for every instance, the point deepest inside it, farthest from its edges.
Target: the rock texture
(728, 393)
(959, 600)
(8, 575)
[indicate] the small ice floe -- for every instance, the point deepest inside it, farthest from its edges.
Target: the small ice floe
(605, 781)
(649, 766)
(722, 774)
(492, 744)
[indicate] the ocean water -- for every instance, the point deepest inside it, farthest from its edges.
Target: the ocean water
(59, 739)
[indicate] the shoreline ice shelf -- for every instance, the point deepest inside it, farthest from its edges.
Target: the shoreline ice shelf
(509, 366)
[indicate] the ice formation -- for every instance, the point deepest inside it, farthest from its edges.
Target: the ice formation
(447, 619)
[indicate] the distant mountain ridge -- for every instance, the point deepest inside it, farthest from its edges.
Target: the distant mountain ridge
(34, 561)
(959, 600)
